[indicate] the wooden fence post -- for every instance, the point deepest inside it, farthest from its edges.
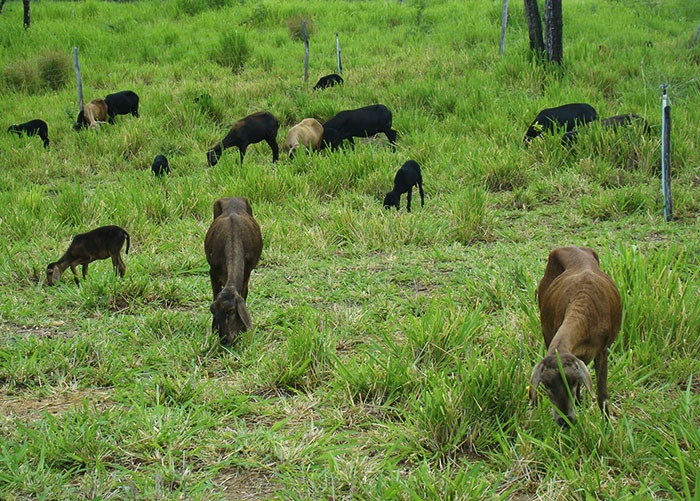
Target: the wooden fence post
(78, 78)
(306, 50)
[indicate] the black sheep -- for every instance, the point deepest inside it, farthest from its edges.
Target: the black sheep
(160, 165)
(406, 178)
(36, 127)
(328, 81)
(567, 116)
(362, 122)
(122, 103)
(260, 126)
(613, 123)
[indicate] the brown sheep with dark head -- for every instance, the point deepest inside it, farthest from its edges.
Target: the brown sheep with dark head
(233, 246)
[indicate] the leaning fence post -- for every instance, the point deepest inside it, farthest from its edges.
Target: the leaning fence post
(504, 23)
(78, 78)
(306, 50)
(337, 51)
(666, 154)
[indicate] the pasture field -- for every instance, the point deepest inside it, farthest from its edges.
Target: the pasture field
(391, 351)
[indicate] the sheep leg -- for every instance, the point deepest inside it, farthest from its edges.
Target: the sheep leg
(275, 149)
(422, 195)
(391, 135)
(408, 199)
(118, 264)
(601, 374)
(85, 270)
(75, 273)
(242, 149)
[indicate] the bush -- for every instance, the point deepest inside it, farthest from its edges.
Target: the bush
(54, 70)
(233, 51)
(22, 75)
(294, 25)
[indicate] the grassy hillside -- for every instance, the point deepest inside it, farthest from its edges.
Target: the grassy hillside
(391, 351)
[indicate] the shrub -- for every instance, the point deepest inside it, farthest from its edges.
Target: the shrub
(22, 75)
(233, 51)
(295, 23)
(54, 70)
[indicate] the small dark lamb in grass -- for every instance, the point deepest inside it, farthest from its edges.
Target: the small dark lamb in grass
(406, 178)
(233, 246)
(100, 243)
(160, 165)
(260, 126)
(36, 127)
(328, 81)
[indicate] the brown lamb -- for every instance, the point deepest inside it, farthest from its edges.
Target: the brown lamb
(100, 243)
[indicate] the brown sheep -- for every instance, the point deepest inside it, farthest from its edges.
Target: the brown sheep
(95, 112)
(233, 245)
(580, 314)
(307, 133)
(100, 243)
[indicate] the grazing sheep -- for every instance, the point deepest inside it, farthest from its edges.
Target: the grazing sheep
(627, 119)
(362, 122)
(567, 116)
(260, 126)
(232, 205)
(36, 127)
(580, 314)
(406, 178)
(100, 243)
(328, 81)
(614, 123)
(93, 113)
(160, 165)
(122, 103)
(307, 133)
(233, 246)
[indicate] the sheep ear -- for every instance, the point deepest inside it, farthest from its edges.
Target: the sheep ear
(585, 375)
(243, 313)
(535, 382)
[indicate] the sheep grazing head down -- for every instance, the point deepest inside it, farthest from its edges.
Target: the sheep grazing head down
(549, 375)
(230, 316)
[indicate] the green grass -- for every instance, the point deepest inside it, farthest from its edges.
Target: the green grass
(391, 351)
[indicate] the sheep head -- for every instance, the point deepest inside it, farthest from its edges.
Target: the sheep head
(53, 273)
(391, 200)
(213, 156)
(548, 373)
(230, 316)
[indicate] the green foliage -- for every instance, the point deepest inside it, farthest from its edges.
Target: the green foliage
(54, 70)
(23, 76)
(295, 25)
(233, 51)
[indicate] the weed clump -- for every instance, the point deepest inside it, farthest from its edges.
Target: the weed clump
(233, 51)
(295, 26)
(54, 70)
(50, 71)
(22, 76)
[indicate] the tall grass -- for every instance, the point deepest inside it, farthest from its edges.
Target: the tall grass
(390, 352)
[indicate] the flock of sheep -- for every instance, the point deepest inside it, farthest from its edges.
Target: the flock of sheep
(580, 306)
